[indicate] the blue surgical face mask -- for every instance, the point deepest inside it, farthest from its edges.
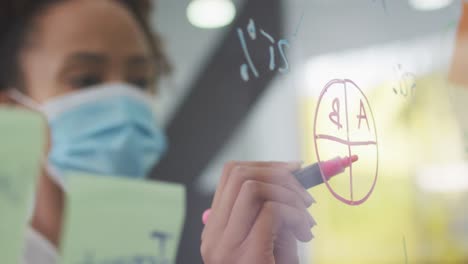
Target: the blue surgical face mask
(106, 130)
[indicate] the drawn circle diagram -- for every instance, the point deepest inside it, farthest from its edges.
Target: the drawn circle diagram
(344, 124)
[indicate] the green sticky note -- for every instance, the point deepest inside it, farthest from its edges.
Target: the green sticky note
(118, 220)
(22, 144)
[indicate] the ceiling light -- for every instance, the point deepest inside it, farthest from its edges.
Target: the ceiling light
(429, 5)
(211, 13)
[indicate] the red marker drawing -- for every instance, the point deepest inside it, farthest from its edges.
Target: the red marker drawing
(312, 175)
(363, 122)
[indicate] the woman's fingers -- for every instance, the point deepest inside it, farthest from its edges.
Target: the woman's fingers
(291, 166)
(251, 199)
(275, 218)
(285, 251)
(272, 238)
(237, 173)
(241, 174)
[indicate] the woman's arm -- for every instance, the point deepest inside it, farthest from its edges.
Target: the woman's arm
(47, 216)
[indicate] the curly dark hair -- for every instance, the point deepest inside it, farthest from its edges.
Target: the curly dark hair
(17, 16)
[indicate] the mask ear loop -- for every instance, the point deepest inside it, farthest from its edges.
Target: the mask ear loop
(23, 99)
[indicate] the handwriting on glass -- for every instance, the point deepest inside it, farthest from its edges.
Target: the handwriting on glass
(384, 5)
(406, 84)
(249, 65)
(281, 44)
(161, 257)
(405, 250)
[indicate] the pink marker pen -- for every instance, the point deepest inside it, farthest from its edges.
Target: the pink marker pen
(312, 175)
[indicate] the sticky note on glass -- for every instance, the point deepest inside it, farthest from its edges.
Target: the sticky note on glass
(118, 220)
(22, 145)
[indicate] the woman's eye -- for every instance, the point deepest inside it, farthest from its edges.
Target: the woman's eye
(86, 81)
(143, 83)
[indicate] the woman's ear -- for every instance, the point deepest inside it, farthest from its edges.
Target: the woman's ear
(3, 96)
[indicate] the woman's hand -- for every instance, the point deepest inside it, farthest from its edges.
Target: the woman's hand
(258, 212)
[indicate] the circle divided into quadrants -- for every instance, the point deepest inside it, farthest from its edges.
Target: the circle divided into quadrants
(336, 130)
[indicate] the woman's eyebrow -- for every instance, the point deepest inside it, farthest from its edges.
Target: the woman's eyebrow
(140, 61)
(87, 57)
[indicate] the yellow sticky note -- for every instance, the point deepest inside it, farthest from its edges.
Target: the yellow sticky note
(118, 220)
(22, 145)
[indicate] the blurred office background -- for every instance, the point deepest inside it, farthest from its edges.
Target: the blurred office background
(398, 52)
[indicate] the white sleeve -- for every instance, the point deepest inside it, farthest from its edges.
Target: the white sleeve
(38, 250)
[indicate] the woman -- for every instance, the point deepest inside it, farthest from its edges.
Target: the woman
(67, 59)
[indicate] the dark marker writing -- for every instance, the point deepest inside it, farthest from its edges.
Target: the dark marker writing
(160, 258)
(162, 239)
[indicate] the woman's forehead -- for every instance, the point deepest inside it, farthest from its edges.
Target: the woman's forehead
(99, 26)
